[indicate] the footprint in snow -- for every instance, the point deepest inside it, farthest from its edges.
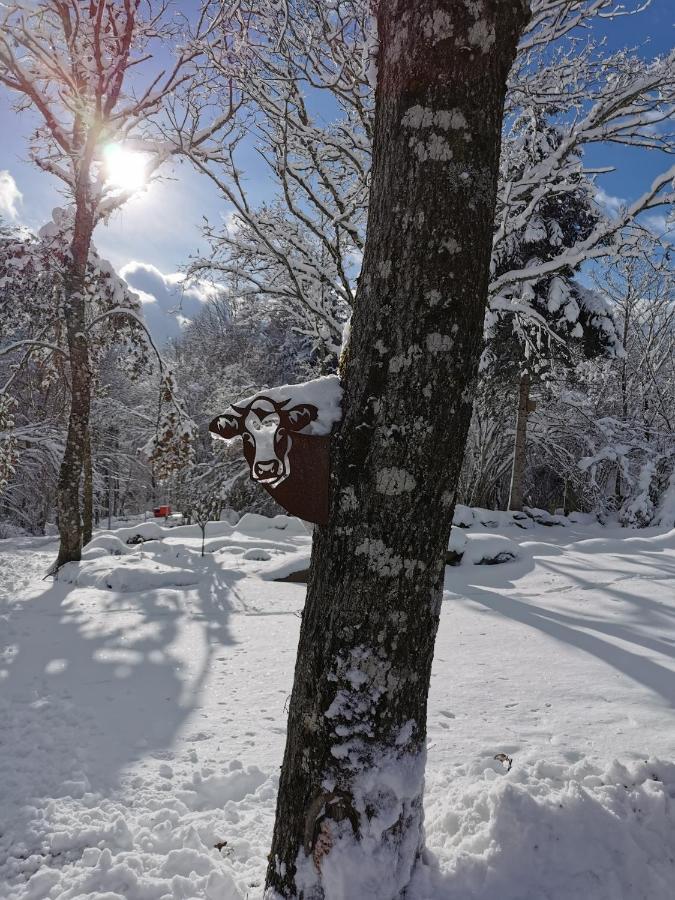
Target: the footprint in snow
(199, 736)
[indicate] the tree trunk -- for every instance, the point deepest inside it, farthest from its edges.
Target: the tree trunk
(87, 493)
(109, 490)
(70, 473)
(520, 448)
(43, 515)
(624, 395)
(349, 812)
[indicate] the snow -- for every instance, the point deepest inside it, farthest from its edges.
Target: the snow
(666, 512)
(143, 715)
(463, 517)
(487, 549)
(458, 540)
(377, 864)
(142, 572)
(325, 393)
(550, 830)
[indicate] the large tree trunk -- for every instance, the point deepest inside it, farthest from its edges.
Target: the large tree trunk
(349, 813)
(520, 445)
(70, 473)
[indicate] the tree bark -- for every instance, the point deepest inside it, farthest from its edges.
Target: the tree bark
(70, 473)
(624, 391)
(87, 493)
(109, 492)
(520, 447)
(349, 812)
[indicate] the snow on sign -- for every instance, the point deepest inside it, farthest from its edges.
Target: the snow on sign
(286, 440)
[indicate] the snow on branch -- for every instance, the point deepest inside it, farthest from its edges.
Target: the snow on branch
(304, 248)
(71, 63)
(552, 20)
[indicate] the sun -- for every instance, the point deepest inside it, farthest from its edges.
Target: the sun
(124, 169)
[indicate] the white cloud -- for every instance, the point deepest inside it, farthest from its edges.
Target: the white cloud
(168, 303)
(610, 203)
(660, 225)
(231, 223)
(10, 195)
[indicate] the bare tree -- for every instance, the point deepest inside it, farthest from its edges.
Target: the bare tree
(293, 61)
(634, 437)
(35, 363)
(69, 62)
(601, 438)
(305, 248)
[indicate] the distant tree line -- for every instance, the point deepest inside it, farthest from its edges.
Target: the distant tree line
(94, 423)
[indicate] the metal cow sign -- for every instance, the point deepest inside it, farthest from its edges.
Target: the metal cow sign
(293, 467)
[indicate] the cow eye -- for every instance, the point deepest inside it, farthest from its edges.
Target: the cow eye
(247, 438)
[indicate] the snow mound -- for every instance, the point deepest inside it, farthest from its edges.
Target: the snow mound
(489, 549)
(254, 524)
(151, 531)
(456, 546)
(105, 545)
(291, 563)
(127, 575)
(148, 530)
(551, 831)
(477, 517)
(543, 517)
(257, 553)
(650, 542)
(457, 542)
(463, 516)
(489, 518)
(581, 518)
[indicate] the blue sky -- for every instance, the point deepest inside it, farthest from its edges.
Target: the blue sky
(157, 232)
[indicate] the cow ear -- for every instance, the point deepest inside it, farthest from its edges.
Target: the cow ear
(226, 426)
(300, 416)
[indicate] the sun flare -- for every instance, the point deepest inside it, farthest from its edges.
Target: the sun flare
(124, 169)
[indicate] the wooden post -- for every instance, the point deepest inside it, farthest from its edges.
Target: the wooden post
(525, 406)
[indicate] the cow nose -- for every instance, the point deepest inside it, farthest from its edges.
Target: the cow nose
(269, 468)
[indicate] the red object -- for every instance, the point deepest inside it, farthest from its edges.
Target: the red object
(161, 512)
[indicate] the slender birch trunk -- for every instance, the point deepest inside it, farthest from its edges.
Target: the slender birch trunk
(349, 813)
(624, 393)
(87, 493)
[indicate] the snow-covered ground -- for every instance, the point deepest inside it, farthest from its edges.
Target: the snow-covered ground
(142, 715)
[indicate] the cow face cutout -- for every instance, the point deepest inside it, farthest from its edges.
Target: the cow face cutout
(266, 428)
